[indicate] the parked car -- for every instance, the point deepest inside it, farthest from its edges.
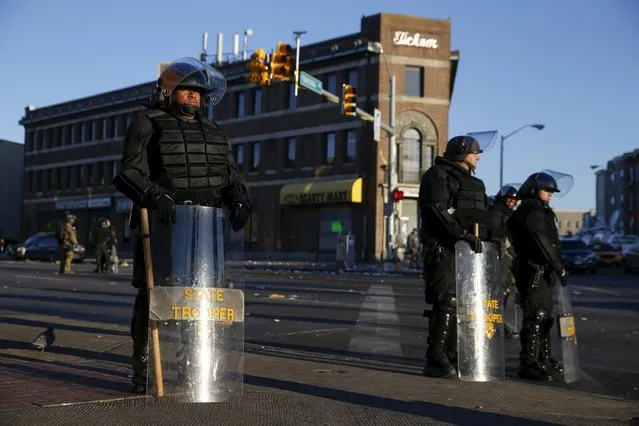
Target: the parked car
(607, 254)
(44, 246)
(631, 258)
(578, 256)
(622, 241)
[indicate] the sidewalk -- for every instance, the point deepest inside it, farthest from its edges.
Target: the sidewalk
(90, 364)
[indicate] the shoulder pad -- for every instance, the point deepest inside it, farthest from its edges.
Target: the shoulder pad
(153, 113)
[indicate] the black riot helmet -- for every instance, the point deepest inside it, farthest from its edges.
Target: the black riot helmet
(460, 146)
(507, 191)
(192, 73)
(537, 182)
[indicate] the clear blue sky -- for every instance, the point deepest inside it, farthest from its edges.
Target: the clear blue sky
(572, 65)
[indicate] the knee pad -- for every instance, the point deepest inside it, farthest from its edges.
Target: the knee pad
(543, 318)
(448, 303)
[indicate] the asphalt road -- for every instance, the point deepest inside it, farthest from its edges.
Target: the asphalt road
(369, 321)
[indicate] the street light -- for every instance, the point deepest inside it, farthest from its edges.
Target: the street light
(501, 148)
(376, 47)
(247, 33)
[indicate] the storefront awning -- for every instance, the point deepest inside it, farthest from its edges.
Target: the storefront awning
(328, 192)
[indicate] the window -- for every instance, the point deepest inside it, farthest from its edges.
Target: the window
(258, 101)
(239, 157)
(256, 156)
(414, 81)
(105, 125)
(351, 146)
(292, 99)
(116, 125)
(240, 104)
(612, 200)
(352, 77)
(94, 133)
(329, 148)
(411, 158)
(291, 147)
(331, 85)
(429, 155)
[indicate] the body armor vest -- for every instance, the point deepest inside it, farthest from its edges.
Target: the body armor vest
(520, 231)
(470, 202)
(194, 154)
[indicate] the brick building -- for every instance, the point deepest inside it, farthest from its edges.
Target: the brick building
(307, 166)
(618, 192)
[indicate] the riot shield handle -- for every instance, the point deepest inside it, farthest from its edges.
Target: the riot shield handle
(476, 230)
(155, 334)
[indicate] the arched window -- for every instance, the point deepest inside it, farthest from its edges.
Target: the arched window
(411, 160)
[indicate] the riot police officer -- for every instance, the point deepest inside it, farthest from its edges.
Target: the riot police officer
(538, 256)
(451, 201)
(499, 212)
(174, 155)
(102, 239)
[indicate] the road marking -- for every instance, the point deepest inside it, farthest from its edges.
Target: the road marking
(595, 290)
(40, 277)
(385, 340)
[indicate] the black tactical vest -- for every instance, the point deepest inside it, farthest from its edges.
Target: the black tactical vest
(470, 202)
(194, 154)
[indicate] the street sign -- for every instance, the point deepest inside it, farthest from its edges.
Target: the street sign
(310, 82)
(377, 125)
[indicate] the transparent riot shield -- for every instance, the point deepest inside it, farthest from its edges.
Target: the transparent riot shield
(513, 314)
(480, 317)
(198, 302)
(567, 333)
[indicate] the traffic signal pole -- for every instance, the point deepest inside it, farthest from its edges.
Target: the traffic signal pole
(260, 67)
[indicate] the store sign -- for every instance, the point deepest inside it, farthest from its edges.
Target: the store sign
(323, 197)
(404, 38)
(123, 205)
(83, 203)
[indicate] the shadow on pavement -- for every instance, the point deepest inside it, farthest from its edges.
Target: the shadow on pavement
(454, 415)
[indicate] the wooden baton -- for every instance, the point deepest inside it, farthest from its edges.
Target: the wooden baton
(477, 230)
(155, 333)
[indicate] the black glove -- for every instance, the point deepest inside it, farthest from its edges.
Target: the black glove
(473, 241)
(563, 277)
(166, 209)
(239, 216)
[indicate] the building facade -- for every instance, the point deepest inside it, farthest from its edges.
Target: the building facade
(11, 157)
(312, 173)
(618, 193)
(570, 222)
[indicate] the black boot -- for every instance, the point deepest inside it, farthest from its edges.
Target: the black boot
(530, 368)
(140, 335)
(438, 363)
(553, 366)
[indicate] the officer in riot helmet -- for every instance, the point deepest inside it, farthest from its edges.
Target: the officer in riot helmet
(499, 212)
(538, 256)
(451, 202)
(174, 155)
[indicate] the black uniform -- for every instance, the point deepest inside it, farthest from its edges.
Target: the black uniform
(538, 257)
(451, 201)
(168, 159)
(103, 239)
(498, 215)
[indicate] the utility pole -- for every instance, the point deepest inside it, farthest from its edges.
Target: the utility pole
(392, 172)
(298, 37)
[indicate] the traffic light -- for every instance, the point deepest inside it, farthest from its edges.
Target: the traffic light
(258, 68)
(282, 62)
(398, 195)
(349, 100)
